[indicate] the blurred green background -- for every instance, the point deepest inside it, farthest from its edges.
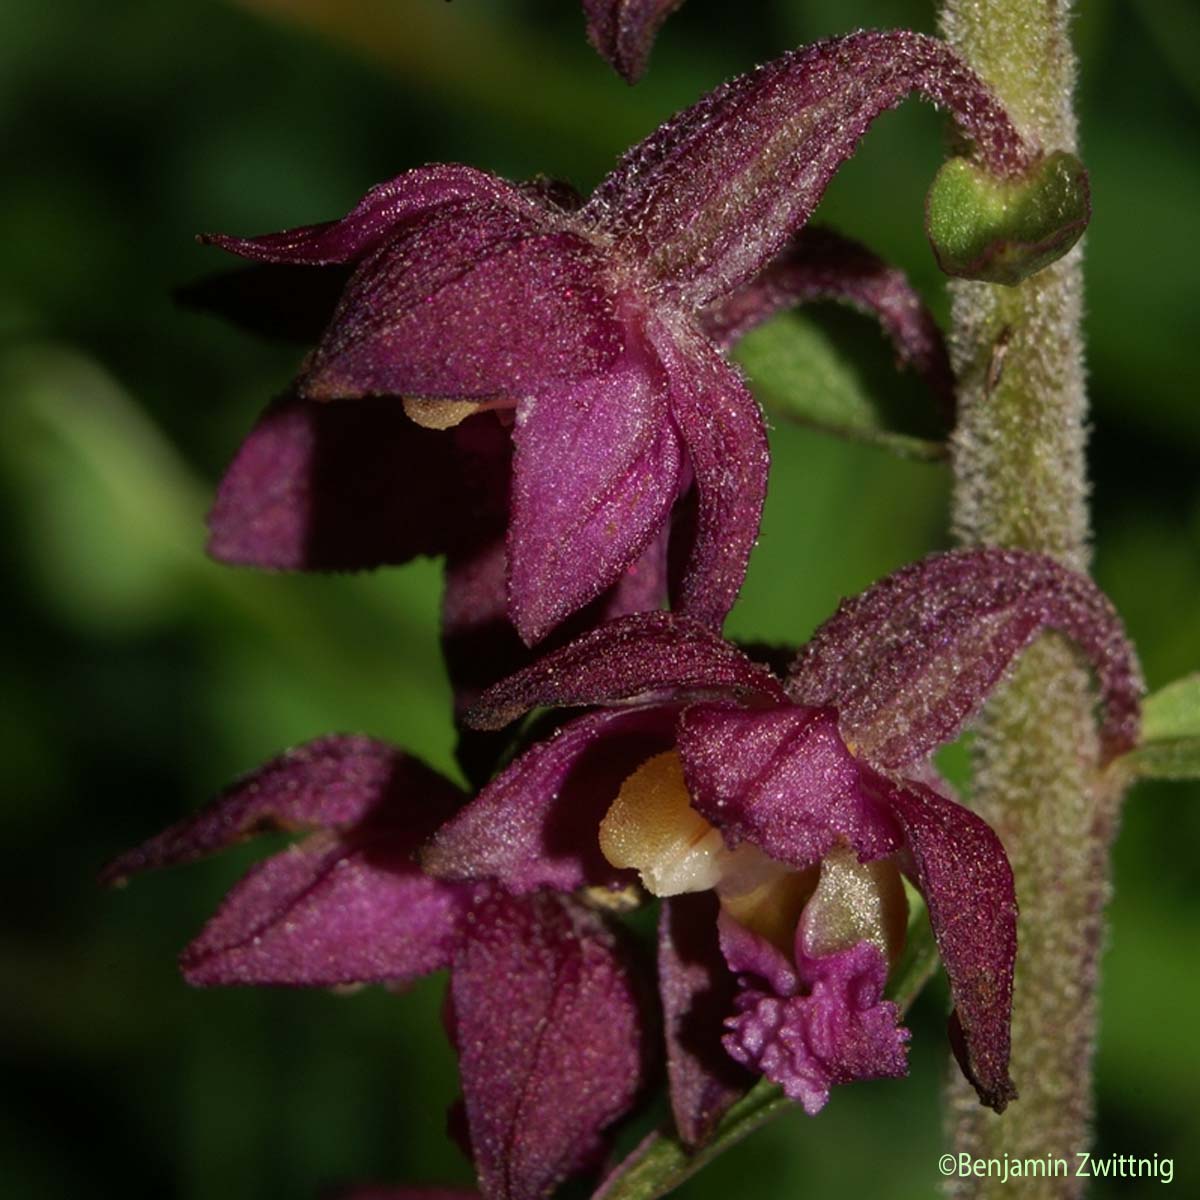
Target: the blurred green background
(139, 677)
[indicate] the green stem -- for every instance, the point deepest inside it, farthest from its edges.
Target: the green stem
(1020, 481)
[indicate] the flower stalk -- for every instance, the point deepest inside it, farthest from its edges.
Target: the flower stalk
(1020, 482)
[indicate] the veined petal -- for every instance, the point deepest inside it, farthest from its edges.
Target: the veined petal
(819, 264)
(726, 442)
(697, 991)
(713, 195)
(330, 910)
(338, 487)
(596, 471)
(838, 1029)
(782, 780)
(644, 659)
(470, 302)
(384, 209)
(537, 823)
(623, 31)
(549, 1037)
(335, 782)
(962, 871)
(908, 661)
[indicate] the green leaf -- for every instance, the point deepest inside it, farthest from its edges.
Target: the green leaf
(661, 1163)
(1170, 745)
(797, 372)
(1004, 230)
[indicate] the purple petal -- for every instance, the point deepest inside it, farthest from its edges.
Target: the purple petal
(643, 658)
(537, 823)
(623, 31)
(838, 1031)
(963, 873)
(819, 264)
(697, 992)
(384, 209)
(471, 302)
(596, 472)
(713, 195)
(726, 442)
(783, 780)
(908, 661)
(332, 487)
(336, 782)
(549, 1037)
(330, 910)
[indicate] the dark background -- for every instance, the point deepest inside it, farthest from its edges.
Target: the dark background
(139, 677)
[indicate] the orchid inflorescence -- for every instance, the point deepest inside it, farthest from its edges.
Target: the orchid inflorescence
(536, 385)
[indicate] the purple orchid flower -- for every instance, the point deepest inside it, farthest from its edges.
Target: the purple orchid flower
(790, 809)
(592, 332)
(623, 31)
(544, 1073)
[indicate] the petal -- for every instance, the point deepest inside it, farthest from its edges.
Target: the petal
(643, 659)
(337, 487)
(335, 782)
(783, 780)
(597, 470)
(840, 1031)
(470, 302)
(912, 658)
(623, 31)
(726, 442)
(536, 824)
(713, 195)
(962, 871)
(549, 1037)
(330, 911)
(819, 264)
(384, 209)
(697, 992)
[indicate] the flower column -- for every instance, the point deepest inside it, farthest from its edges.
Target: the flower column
(1020, 482)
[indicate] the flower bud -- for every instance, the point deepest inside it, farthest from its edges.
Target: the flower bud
(1004, 230)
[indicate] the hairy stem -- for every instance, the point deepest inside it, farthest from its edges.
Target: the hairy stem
(1020, 481)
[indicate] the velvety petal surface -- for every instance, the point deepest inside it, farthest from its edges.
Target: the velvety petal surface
(536, 824)
(470, 302)
(623, 31)
(962, 871)
(819, 264)
(697, 991)
(330, 910)
(596, 471)
(711, 197)
(783, 780)
(834, 1027)
(726, 442)
(335, 782)
(642, 658)
(908, 661)
(549, 1037)
(337, 487)
(386, 208)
